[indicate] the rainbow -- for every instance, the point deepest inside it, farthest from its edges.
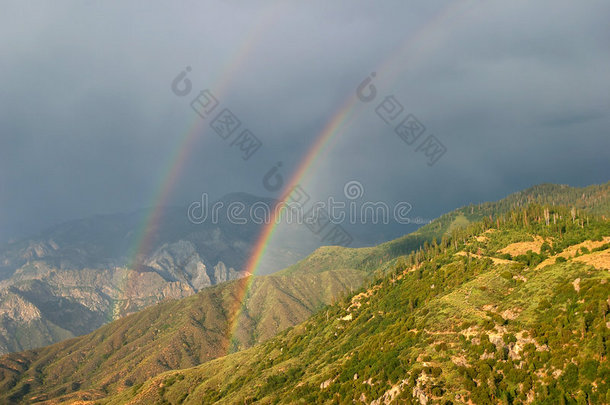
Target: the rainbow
(179, 156)
(146, 232)
(335, 125)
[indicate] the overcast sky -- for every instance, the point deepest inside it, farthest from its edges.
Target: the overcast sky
(518, 92)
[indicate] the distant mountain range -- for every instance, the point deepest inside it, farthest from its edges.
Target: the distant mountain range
(74, 277)
(387, 320)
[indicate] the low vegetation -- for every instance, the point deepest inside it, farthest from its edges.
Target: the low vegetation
(438, 327)
(447, 314)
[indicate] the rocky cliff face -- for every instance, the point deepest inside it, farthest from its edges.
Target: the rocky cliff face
(181, 261)
(41, 304)
(75, 277)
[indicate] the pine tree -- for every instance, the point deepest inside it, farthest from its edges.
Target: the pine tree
(573, 213)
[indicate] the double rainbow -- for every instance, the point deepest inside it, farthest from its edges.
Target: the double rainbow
(335, 125)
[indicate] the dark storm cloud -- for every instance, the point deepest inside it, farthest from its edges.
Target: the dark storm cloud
(89, 123)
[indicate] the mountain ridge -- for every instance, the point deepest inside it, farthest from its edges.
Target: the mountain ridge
(85, 269)
(364, 262)
(460, 321)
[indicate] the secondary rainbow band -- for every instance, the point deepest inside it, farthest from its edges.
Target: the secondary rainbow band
(145, 234)
(147, 231)
(332, 128)
(179, 157)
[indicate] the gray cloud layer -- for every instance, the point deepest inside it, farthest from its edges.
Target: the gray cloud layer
(518, 92)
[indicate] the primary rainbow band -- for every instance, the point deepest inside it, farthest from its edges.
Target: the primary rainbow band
(146, 233)
(243, 285)
(332, 128)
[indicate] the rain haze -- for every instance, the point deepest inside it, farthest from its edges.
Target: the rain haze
(517, 93)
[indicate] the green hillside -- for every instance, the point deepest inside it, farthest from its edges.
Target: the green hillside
(511, 310)
(173, 335)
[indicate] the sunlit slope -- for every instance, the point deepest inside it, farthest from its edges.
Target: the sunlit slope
(460, 321)
(184, 333)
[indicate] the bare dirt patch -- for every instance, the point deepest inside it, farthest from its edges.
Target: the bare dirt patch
(356, 299)
(521, 248)
(511, 314)
(495, 260)
(599, 260)
(572, 250)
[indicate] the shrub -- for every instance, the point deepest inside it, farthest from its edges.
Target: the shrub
(507, 275)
